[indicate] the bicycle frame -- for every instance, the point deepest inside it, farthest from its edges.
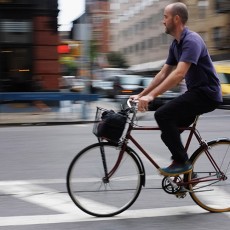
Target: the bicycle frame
(192, 132)
(129, 137)
(114, 168)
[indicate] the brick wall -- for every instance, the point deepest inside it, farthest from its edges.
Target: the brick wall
(45, 56)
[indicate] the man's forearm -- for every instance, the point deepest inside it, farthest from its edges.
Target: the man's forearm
(157, 80)
(171, 81)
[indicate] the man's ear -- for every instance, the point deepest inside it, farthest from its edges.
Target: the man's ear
(176, 18)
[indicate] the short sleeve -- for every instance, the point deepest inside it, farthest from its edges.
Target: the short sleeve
(191, 50)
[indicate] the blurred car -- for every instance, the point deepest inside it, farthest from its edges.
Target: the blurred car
(72, 83)
(103, 88)
(77, 85)
(66, 81)
(135, 85)
(126, 85)
(118, 86)
(226, 102)
(223, 71)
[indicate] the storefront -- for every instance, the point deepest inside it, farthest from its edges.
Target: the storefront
(28, 45)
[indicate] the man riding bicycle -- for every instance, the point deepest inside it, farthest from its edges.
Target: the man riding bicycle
(188, 59)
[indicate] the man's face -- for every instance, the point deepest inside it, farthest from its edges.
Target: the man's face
(168, 22)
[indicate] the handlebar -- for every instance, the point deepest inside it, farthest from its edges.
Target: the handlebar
(132, 103)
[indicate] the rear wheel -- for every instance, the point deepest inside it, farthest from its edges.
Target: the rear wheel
(211, 189)
(96, 194)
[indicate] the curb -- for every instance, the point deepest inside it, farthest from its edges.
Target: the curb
(42, 123)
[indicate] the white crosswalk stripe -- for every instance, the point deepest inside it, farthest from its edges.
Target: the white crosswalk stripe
(35, 193)
(67, 218)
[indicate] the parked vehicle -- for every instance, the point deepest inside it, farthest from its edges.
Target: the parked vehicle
(72, 83)
(103, 88)
(223, 71)
(126, 85)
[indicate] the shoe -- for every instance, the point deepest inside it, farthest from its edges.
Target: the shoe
(176, 169)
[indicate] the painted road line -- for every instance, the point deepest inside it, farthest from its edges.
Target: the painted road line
(41, 196)
(60, 202)
(71, 218)
(57, 181)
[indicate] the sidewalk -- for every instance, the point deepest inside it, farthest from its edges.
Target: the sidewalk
(67, 113)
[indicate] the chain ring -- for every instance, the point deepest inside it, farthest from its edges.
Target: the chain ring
(168, 187)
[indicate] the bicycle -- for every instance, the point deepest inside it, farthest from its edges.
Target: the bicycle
(105, 178)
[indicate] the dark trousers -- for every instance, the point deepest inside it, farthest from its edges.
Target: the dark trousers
(181, 112)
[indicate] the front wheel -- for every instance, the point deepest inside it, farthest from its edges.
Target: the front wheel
(211, 176)
(96, 193)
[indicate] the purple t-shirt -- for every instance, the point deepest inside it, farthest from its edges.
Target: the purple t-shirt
(201, 74)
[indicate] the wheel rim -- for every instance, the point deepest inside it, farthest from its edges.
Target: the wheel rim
(96, 196)
(212, 195)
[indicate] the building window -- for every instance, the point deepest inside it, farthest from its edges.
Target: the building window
(202, 8)
(222, 6)
(15, 69)
(137, 47)
(143, 45)
(217, 35)
(13, 31)
(150, 43)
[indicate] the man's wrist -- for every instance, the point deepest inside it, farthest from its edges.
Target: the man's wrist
(152, 96)
(139, 95)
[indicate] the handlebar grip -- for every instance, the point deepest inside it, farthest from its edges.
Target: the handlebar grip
(132, 103)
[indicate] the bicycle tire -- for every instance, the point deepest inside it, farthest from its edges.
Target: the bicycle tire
(213, 196)
(87, 188)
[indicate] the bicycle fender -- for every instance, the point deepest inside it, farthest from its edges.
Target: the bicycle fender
(143, 177)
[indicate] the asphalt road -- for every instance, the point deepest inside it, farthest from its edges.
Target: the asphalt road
(33, 166)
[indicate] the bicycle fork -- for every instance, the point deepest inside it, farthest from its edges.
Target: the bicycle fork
(105, 179)
(107, 175)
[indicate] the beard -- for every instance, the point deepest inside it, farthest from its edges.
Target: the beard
(167, 31)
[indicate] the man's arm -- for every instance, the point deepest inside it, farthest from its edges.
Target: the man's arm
(165, 82)
(165, 71)
(173, 79)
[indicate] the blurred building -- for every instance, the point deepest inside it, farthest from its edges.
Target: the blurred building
(211, 19)
(94, 26)
(137, 30)
(98, 11)
(28, 45)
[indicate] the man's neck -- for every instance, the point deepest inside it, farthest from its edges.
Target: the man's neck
(178, 33)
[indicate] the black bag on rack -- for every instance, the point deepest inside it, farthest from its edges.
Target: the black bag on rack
(112, 125)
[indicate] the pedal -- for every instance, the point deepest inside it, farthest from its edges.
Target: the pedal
(181, 193)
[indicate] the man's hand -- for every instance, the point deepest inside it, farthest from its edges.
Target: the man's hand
(143, 102)
(134, 97)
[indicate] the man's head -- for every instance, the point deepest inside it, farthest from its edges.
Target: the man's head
(175, 14)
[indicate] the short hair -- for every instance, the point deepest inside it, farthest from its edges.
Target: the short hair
(181, 10)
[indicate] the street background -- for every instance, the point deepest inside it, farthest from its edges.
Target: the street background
(33, 167)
